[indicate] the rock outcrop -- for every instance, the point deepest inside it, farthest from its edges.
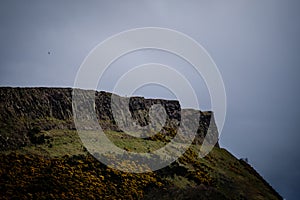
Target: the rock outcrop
(26, 111)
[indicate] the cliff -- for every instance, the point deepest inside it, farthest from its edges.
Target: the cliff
(24, 109)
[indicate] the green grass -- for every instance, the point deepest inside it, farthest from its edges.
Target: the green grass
(59, 144)
(133, 144)
(68, 142)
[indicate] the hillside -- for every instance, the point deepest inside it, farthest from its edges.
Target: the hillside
(42, 156)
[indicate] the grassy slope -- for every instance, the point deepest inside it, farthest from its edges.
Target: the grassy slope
(44, 170)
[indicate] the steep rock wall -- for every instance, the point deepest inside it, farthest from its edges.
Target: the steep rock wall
(26, 111)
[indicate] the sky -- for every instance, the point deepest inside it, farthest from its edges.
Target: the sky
(254, 43)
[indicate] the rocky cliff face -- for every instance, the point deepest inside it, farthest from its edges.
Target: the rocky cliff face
(24, 112)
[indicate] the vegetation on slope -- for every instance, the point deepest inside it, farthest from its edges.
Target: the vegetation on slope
(61, 168)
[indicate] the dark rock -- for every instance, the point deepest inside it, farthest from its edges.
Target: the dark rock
(25, 112)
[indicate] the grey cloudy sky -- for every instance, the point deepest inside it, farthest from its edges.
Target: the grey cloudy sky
(254, 43)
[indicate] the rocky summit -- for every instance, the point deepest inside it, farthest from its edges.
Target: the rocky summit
(43, 157)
